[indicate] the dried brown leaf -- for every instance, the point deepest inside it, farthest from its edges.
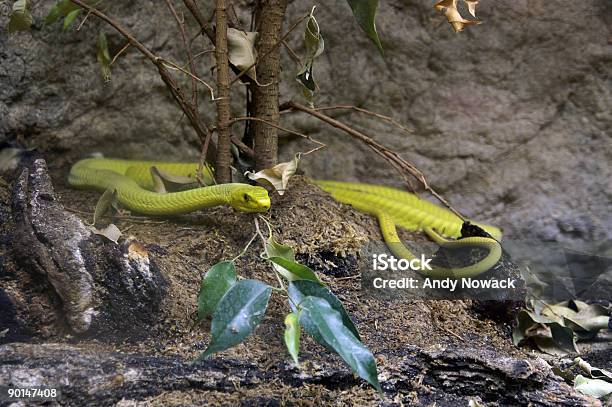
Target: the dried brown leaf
(241, 49)
(278, 176)
(456, 20)
(471, 4)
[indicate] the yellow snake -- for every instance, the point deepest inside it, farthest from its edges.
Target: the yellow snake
(132, 183)
(395, 207)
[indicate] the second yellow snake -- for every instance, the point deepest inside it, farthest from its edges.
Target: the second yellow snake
(394, 207)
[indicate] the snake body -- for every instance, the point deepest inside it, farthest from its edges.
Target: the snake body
(132, 183)
(394, 207)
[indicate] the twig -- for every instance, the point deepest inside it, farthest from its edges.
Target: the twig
(243, 147)
(204, 25)
(456, 335)
(246, 247)
(83, 22)
(121, 51)
(137, 219)
(292, 54)
(314, 149)
(172, 65)
(199, 54)
(279, 42)
(387, 119)
(181, 25)
(400, 164)
(279, 127)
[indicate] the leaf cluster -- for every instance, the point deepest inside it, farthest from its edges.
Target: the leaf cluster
(555, 328)
(236, 306)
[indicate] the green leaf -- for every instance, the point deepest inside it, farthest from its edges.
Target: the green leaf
(103, 56)
(331, 328)
(365, 14)
(21, 19)
(217, 281)
(293, 271)
(60, 9)
(276, 249)
(238, 313)
(292, 335)
(300, 289)
(592, 387)
(70, 17)
(314, 47)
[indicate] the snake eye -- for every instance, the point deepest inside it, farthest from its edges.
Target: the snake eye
(246, 197)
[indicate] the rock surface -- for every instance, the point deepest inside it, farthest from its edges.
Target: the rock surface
(511, 118)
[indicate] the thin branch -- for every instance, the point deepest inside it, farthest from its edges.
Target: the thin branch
(278, 43)
(269, 123)
(292, 54)
(181, 25)
(204, 25)
(172, 65)
(242, 147)
(314, 149)
(121, 51)
(83, 22)
(400, 164)
(382, 117)
(199, 54)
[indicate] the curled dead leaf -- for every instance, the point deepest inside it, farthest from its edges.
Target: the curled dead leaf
(164, 181)
(471, 4)
(241, 50)
(456, 20)
(313, 39)
(278, 176)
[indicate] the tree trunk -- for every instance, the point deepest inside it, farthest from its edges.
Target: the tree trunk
(223, 174)
(269, 22)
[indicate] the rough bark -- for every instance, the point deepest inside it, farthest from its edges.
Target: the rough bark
(102, 287)
(224, 156)
(269, 22)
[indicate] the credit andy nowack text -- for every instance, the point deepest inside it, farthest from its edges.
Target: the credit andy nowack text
(414, 278)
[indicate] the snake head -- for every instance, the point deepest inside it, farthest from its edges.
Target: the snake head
(250, 199)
